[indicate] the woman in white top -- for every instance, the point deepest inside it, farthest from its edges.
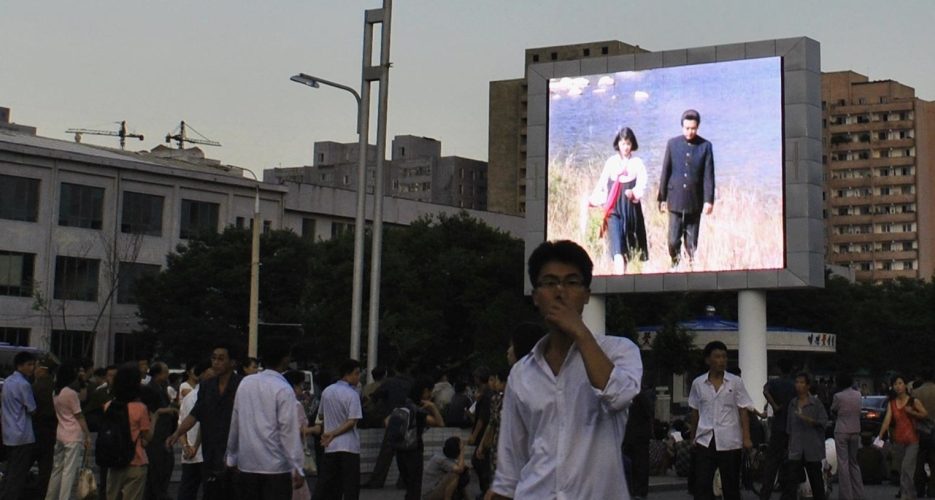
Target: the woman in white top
(619, 191)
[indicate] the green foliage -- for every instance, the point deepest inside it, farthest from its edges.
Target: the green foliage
(674, 346)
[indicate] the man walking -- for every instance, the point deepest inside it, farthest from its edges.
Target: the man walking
(686, 187)
(161, 460)
(340, 407)
(846, 404)
(265, 444)
(18, 405)
(720, 424)
(925, 483)
(563, 416)
(778, 393)
(213, 411)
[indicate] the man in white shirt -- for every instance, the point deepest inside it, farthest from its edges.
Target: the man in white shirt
(720, 424)
(564, 410)
(264, 442)
(340, 408)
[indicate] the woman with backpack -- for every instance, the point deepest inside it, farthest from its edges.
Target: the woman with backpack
(126, 408)
(903, 411)
(72, 437)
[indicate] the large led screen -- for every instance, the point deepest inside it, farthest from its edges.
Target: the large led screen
(646, 191)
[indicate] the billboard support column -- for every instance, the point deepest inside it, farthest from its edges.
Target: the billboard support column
(594, 316)
(751, 307)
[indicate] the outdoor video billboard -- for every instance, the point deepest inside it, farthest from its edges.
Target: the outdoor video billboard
(682, 170)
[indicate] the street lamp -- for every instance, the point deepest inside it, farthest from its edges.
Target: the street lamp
(363, 118)
(252, 338)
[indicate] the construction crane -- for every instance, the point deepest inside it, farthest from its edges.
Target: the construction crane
(182, 137)
(122, 133)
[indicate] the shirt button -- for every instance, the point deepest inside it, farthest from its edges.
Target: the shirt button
(686, 174)
(684, 185)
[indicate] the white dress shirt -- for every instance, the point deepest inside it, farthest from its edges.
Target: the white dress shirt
(718, 414)
(559, 436)
(188, 402)
(264, 434)
(340, 403)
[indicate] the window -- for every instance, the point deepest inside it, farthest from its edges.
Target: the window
(308, 229)
(129, 274)
(142, 214)
(587, 52)
(535, 58)
(554, 56)
(346, 180)
(19, 198)
(81, 206)
(14, 336)
(340, 228)
(198, 217)
(402, 151)
(267, 226)
(127, 347)
(16, 273)
(604, 51)
(76, 278)
(68, 344)
(321, 157)
(238, 222)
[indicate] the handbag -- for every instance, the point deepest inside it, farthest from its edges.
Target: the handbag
(87, 485)
(309, 466)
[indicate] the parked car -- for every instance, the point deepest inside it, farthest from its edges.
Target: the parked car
(872, 411)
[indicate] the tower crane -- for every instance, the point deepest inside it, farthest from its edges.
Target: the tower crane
(122, 133)
(182, 137)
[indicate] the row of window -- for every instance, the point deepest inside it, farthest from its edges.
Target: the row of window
(860, 192)
(880, 246)
(899, 265)
(865, 137)
(885, 116)
(67, 344)
(867, 154)
(83, 206)
(861, 173)
(886, 227)
(904, 208)
(76, 278)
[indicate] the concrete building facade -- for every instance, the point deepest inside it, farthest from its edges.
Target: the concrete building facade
(416, 171)
(79, 224)
(506, 155)
(879, 165)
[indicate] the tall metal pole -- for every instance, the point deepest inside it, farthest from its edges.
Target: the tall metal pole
(363, 133)
(373, 326)
(254, 323)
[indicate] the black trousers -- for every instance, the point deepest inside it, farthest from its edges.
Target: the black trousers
(382, 466)
(815, 480)
(338, 477)
(190, 482)
(410, 469)
(709, 459)
(251, 486)
(925, 485)
(683, 225)
(44, 454)
(18, 461)
(161, 463)
(218, 484)
(638, 453)
(776, 454)
(482, 467)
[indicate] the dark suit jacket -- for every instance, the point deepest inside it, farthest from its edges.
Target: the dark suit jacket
(687, 180)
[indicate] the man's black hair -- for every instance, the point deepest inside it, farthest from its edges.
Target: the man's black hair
(100, 372)
(806, 376)
(251, 361)
(200, 367)
(378, 372)
(691, 114)
(127, 382)
(844, 380)
(418, 387)
(524, 338)
(460, 386)
(348, 367)
(275, 352)
(233, 352)
(452, 447)
(157, 368)
(626, 133)
(503, 374)
(714, 345)
(564, 251)
(482, 374)
(294, 377)
(22, 358)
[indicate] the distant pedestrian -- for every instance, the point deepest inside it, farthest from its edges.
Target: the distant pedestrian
(264, 444)
(165, 420)
(426, 415)
(72, 435)
(192, 456)
(720, 423)
(446, 476)
(17, 405)
(846, 406)
(341, 411)
(925, 392)
(778, 393)
(130, 481)
(44, 422)
(903, 411)
(806, 419)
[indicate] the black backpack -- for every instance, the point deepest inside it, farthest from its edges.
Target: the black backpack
(401, 430)
(114, 447)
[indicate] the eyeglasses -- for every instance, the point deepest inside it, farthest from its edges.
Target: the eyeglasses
(552, 282)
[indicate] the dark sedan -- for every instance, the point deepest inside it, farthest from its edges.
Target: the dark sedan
(872, 411)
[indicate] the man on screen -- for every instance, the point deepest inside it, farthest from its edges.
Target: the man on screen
(686, 187)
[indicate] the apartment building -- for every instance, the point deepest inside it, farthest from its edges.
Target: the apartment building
(506, 155)
(879, 168)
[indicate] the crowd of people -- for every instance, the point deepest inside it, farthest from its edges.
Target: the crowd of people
(569, 418)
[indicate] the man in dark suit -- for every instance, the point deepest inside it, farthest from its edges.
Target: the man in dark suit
(686, 187)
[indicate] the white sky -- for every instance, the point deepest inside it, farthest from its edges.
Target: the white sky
(223, 66)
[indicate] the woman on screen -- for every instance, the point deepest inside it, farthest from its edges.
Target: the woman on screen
(619, 191)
